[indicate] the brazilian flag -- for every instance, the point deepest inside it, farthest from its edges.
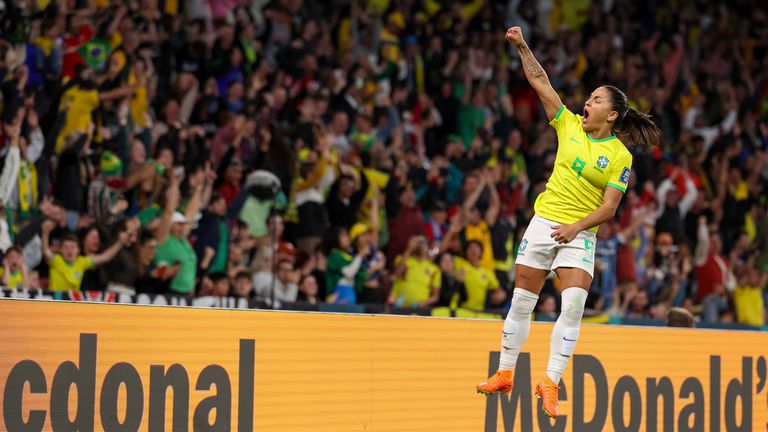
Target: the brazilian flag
(95, 52)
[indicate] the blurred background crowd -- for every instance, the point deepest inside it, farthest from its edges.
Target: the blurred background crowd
(377, 152)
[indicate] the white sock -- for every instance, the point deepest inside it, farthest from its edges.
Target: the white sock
(566, 332)
(517, 325)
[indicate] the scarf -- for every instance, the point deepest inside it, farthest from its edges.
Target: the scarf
(27, 188)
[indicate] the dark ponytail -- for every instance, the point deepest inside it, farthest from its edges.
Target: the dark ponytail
(633, 127)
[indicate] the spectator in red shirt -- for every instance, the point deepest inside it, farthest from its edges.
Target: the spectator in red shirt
(408, 222)
(713, 273)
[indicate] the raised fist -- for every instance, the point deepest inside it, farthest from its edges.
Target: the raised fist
(515, 35)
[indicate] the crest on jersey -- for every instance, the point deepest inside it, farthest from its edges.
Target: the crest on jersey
(624, 177)
(602, 162)
(523, 244)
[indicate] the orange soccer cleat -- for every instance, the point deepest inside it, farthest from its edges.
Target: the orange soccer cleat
(547, 390)
(500, 382)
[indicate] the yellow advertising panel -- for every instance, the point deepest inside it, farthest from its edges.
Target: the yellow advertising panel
(102, 367)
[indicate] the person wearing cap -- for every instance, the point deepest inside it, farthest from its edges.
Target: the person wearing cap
(345, 274)
(104, 197)
(362, 237)
(173, 246)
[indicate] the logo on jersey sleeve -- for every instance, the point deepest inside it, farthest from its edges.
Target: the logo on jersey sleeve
(602, 162)
(624, 177)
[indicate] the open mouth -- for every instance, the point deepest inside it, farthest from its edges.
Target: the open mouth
(586, 113)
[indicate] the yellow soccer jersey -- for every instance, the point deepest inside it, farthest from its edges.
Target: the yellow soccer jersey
(584, 167)
(14, 280)
(420, 279)
(65, 276)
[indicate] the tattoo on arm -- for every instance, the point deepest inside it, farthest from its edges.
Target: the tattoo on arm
(533, 69)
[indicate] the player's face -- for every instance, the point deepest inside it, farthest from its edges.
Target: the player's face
(597, 110)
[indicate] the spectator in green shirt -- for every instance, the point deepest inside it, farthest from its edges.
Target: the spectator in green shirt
(173, 245)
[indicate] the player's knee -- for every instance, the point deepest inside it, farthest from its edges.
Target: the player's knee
(572, 312)
(521, 308)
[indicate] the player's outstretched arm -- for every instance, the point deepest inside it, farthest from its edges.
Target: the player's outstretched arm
(536, 75)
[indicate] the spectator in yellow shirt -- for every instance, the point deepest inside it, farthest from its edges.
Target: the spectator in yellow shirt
(14, 272)
(748, 297)
(478, 225)
(480, 281)
(68, 266)
(417, 279)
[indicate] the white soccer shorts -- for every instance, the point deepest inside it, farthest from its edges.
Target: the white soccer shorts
(539, 250)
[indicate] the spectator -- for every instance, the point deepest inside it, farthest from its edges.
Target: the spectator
(407, 222)
(547, 307)
(173, 246)
(90, 239)
(15, 273)
(68, 266)
(478, 225)
(151, 278)
(243, 285)
(120, 272)
(417, 279)
(308, 290)
(216, 286)
(437, 225)
(345, 198)
(212, 232)
(713, 274)
(679, 317)
(609, 240)
(639, 305)
(452, 288)
(309, 197)
(283, 283)
(345, 274)
(362, 238)
(672, 208)
(275, 238)
(748, 295)
(481, 283)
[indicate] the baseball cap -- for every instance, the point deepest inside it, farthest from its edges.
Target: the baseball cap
(178, 218)
(357, 230)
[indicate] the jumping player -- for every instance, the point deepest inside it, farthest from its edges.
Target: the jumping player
(591, 173)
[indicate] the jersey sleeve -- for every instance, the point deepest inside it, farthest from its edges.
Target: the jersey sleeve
(619, 174)
(87, 263)
(564, 119)
(57, 262)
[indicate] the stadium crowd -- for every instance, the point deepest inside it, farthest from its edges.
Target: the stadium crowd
(381, 151)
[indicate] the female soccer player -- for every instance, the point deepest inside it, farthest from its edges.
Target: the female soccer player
(591, 173)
